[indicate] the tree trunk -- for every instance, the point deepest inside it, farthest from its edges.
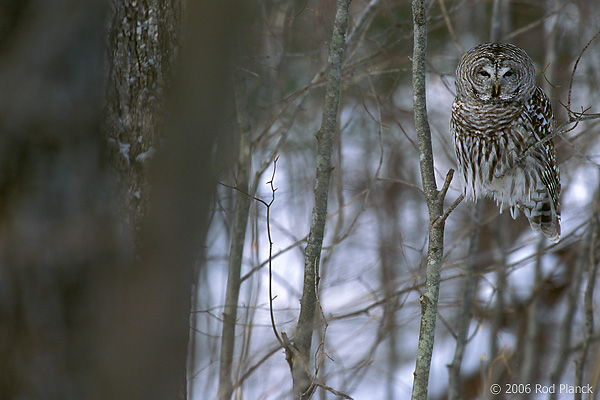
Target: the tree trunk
(142, 46)
(58, 236)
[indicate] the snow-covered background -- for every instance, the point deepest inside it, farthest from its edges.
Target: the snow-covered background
(372, 267)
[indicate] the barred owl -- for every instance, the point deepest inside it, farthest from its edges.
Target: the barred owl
(499, 117)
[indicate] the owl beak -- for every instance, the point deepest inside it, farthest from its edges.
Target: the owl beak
(496, 90)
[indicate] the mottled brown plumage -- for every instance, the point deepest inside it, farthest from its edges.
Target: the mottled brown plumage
(499, 122)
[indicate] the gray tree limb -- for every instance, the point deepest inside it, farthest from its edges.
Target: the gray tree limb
(435, 204)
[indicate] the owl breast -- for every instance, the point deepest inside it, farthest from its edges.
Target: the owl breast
(488, 151)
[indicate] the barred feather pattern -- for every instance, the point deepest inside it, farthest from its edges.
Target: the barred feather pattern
(499, 142)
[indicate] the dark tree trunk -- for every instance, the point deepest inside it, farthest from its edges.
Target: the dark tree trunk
(80, 316)
(142, 47)
(58, 236)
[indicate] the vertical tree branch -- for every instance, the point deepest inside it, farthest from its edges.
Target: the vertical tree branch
(464, 315)
(566, 327)
(501, 244)
(496, 30)
(589, 295)
(532, 333)
(420, 109)
(238, 237)
(308, 302)
(435, 203)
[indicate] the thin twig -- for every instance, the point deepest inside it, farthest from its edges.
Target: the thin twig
(253, 368)
(335, 392)
(268, 205)
(446, 185)
(561, 130)
(442, 218)
(450, 28)
(533, 25)
(465, 310)
(575, 69)
(268, 220)
(279, 253)
(360, 26)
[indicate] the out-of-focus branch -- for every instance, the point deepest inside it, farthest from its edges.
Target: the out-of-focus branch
(303, 387)
(238, 238)
(464, 314)
(517, 32)
(532, 333)
(501, 240)
(361, 26)
(573, 116)
(589, 294)
(450, 28)
(566, 327)
(496, 21)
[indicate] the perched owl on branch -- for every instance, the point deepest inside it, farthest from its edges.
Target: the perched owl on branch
(499, 121)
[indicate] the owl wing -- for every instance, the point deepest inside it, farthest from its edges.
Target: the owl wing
(538, 165)
(540, 115)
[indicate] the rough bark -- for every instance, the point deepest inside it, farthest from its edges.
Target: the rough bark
(147, 343)
(142, 47)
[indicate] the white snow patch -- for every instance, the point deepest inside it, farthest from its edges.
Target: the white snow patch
(124, 150)
(146, 155)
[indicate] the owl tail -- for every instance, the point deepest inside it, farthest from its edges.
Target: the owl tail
(542, 214)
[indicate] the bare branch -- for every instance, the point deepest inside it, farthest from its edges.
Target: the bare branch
(361, 26)
(332, 390)
(534, 24)
(446, 213)
(446, 185)
(573, 73)
(273, 189)
(435, 204)
(449, 27)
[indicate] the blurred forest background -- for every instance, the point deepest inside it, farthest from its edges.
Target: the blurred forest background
(138, 142)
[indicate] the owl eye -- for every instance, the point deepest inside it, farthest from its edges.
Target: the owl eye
(508, 74)
(483, 73)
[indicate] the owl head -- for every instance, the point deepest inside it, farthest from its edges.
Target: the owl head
(495, 73)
